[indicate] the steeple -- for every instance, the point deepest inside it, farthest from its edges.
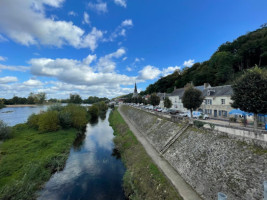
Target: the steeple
(135, 88)
(135, 94)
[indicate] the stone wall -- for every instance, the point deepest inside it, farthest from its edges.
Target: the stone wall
(209, 161)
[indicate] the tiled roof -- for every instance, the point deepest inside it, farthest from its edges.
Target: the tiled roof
(225, 90)
(180, 92)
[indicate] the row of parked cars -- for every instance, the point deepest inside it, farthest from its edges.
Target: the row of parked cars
(196, 114)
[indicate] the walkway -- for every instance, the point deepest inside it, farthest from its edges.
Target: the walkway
(182, 187)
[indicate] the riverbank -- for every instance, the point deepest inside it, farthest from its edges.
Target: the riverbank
(143, 179)
(29, 158)
(21, 105)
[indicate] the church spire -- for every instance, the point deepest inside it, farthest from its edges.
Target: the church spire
(135, 88)
(135, 94)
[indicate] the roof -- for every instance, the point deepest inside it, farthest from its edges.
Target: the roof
(180, 92)
(225, 90)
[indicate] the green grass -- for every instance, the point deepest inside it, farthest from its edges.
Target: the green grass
(143, 179)
(28, 160)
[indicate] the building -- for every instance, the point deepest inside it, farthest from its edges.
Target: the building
(135, 94)
(217, 102)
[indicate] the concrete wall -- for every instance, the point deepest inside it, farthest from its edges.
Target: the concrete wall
(209, 161)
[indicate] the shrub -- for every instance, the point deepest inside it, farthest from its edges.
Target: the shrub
(5, 131)
(65, 119)
(78, 115)
(2, 105)
(199, 124)
(33, 121)
(93, 111)
(48, 121)
(102, 106)
(56, 107)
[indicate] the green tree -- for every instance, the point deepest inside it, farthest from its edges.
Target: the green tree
(93, 111)
(48, 122)
(75, 98)
(250, 92)
(192, 98)
(154, 99)
(167, 102)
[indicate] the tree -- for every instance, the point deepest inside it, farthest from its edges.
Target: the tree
(75, 98)
(154, 99)
(192, 98)
(167, 102)
(250, 92)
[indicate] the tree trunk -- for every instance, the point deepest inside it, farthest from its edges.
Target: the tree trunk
(255, 121)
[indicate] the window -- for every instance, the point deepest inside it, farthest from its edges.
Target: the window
(223, 101)
(224, 113)
(208, 102)
(220, 113)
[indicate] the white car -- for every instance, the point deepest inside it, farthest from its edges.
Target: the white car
(184, 114)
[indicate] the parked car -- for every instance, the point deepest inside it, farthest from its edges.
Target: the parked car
(165, 110)
(174, 112)
(184, 114)
(159, 109)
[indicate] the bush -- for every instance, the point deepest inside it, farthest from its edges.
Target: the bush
(65, 119)
(5, 131)
(102, 106)
(2, 105)
(232, 119)
(199, 124)
(93, 111)
(48, 121)
(78, 115)
(56, 107)
(33, 121)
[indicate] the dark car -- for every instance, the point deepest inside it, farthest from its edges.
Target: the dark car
(174, 112)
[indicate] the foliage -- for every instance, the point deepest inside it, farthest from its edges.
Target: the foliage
(154, 99)
(250, 92)
(55, 107)
(198, 124)
(167, 102)
(225, 65)
(142, 180)
(65, 119)
(92, 100)
(2, 105)
(32, 99)
(102, 106)
(5, 131)
(75, 98)
(28, 160)
(192, 98)
(33, 121)
(93, 111)
(78, 115)
(48, 122)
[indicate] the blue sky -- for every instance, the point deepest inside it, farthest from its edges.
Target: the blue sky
(102, 47)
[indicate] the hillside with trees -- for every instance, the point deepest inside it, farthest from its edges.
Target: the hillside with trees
(225, 65)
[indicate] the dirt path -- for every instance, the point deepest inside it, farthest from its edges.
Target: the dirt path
(182, 187)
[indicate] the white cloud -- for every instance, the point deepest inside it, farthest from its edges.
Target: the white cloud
(86, 19)
(98, 7)
(124, 58)
(105, 64)
(129, 69)
(149, 73)
(91, 39)
(8, 79)
(127, 22)
(121, 3)
(2, 38)
(3, 58)
(14, 68)
(72, 13)
(170, 70)
(16, 22)
(189, 63)
(33, 82)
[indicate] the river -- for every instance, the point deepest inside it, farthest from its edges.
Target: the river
(92, 171)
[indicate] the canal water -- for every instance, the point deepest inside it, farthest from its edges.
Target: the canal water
(92, 171)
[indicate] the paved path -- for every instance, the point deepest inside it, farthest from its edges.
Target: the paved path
(182, 187)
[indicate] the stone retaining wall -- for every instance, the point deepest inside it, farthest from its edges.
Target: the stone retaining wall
(209, 161)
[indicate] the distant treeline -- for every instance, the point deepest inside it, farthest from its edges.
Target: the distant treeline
(40, 98)
(224, 66)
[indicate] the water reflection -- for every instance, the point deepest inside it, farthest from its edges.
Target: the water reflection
(91, 172)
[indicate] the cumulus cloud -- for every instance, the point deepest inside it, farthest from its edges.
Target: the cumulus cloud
(8, 79)
(127, 22)
(149, 73)
(86, 19)
(120, 30)
(129, 69)
(98, 7)
(2, 58)
(189, 63)
(170, 70)
(16, 22)
(33, 82)
(121, 3)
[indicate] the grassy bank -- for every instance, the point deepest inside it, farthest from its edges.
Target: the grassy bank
(29, 158)
(142, 180)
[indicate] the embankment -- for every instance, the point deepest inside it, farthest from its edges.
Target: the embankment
(209, 161)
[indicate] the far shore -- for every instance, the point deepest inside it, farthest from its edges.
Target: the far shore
(21, 105)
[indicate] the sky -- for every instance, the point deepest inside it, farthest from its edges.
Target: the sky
(102, 47)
